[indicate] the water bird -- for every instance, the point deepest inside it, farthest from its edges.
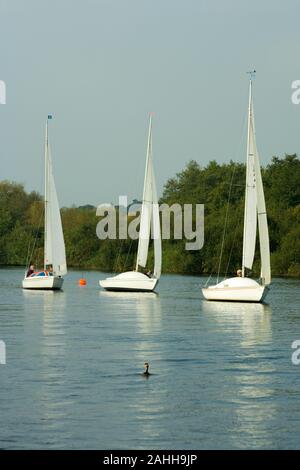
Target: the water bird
(146, 372)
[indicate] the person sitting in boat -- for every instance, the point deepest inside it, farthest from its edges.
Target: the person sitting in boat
(49, 270)
(239, 273)
(30, 270)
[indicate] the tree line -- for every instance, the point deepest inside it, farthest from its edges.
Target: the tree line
(220, 187)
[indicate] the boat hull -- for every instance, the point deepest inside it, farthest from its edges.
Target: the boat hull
(130, 281)
(236, 290)
(43, 282)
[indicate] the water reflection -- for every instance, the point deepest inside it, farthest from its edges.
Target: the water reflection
(47, 309)
(222, 375)
(53, 353)
(251, 369)
(252, 321)
(144, 305)
(145, 403)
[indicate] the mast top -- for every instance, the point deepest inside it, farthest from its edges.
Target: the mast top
(252, 74)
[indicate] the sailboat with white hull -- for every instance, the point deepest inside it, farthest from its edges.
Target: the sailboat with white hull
(55, 265)
(135, 280)
(242, 288)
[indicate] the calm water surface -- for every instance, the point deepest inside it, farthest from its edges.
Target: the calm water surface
(222, 373)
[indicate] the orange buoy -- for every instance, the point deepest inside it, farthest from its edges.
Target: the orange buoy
(82, 282)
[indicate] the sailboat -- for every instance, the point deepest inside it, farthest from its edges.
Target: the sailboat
(243, 288)
(55, 265)
(136, 280)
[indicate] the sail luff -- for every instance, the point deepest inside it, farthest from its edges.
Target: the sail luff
(55, 255)
(145, 222)
(264, 242)
(250, 214)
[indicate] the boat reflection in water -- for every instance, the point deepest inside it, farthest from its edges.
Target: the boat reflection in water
(251, 321)
(144, 306)
(249, 384)
(49, 358)
(54, 355)
(143, 313)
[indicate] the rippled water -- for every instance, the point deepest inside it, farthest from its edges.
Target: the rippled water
(222, 372)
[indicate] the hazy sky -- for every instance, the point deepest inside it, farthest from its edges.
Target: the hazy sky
(100, 67)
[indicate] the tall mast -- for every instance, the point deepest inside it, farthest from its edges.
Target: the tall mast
(252, 75)
(46, 200)
(46, 192)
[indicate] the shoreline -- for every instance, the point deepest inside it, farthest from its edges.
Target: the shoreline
(169, 273)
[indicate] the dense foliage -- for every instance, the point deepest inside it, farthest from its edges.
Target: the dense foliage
(219, 187)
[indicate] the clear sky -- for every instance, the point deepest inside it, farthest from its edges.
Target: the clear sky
(100, 67)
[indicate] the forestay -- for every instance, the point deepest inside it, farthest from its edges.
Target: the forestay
(149, 215)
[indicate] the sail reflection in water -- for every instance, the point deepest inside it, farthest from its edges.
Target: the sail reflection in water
(251, 321)
(143, 309)
(46, 319)
(144, 402)
(54, 355)
(251, 389)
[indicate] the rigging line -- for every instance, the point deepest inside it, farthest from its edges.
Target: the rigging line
(35, 240)
(230, 254)
(208, 279)
(27, 257)
(29, 245)
(230, 190)
(118, 256)
(128, 252)
(243, 126)
(225, 225)
(210, 276)
(213, 271)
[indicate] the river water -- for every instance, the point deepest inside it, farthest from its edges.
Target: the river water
(222, 375)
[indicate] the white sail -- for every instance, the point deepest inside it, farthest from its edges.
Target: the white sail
(255, 206)
(54, 240)
(262, 227)
(149, 215)
(250, 213)
(244, 289)
(145, 222)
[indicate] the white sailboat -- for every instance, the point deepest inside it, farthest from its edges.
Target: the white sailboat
(135, 280)
(55, 265)
(242, 288)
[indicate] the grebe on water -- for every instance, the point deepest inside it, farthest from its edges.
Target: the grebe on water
(146, 371)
